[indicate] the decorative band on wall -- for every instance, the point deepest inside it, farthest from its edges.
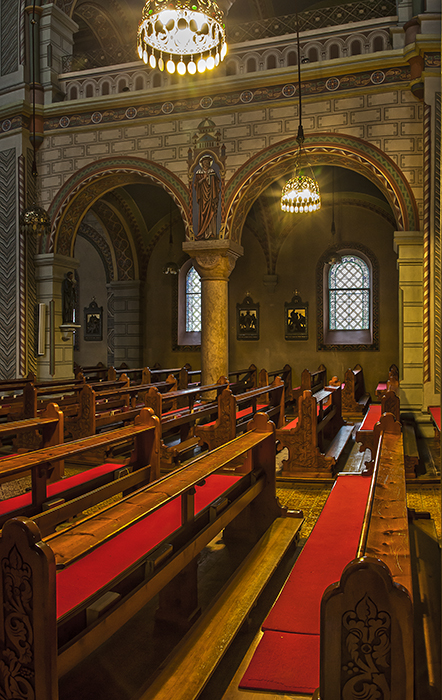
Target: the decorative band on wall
(426, 232)
(347, 151)
(90, 183)
(437, 242)
(8, 264)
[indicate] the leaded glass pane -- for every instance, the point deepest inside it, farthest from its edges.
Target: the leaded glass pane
(193, 301)
(349, 295)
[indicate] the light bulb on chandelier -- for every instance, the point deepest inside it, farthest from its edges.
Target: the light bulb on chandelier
(181, 29)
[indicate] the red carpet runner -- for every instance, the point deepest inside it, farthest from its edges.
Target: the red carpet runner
(287, 657)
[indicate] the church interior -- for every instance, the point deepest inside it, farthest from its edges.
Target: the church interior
(220, 349)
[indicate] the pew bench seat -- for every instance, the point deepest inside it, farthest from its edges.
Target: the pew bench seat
(200, 652)
(287, 656)
(364, 436)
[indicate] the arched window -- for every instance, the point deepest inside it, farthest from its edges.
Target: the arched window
(189, 306)
(271, 62)
(378, 44)
(193, 301)
(251, 65)
(313, 54)
(348, 300)
(355, 48)
(105, 88)
(292, 58)
(89, 90)
(334, 51)
(349, 295)
(231, 68)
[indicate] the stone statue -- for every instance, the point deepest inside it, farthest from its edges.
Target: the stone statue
(207, 187)
(69, 298)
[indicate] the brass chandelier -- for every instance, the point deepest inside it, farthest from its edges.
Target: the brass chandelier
(301, 193)
(182, 35)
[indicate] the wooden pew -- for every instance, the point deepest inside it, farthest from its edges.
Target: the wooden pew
(96, 373)
(311, 381)
(266, 378)
(365, 435)
(244, 379)
(319, 420)
(45, 430)
(355, 400)
(434, 412)
(349, 633)
(82, 490)
(64, 583)
(179, 440)
(390, 384)
(146, 375)
(374, 595)
(235, 411)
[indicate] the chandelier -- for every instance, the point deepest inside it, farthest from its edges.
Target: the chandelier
(182, 35)
(301, 193)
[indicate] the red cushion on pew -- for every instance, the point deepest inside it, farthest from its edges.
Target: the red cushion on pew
(331, 545)
(284, 662)
(15, 503)
(372, 416)
(435, 412)
(292, 424)
(381, 387)
(91, 573)
(242, 413)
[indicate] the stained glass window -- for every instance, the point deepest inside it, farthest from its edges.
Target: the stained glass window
(193, 301)
(349, 294)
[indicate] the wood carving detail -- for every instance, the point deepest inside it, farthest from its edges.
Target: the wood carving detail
(301, 442)
(16, 660)
(366, 662)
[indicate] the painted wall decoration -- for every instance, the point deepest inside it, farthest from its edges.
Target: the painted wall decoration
(296, 318)
(247, 316)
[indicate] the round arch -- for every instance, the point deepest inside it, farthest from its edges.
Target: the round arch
(276, 161)
(90, 183)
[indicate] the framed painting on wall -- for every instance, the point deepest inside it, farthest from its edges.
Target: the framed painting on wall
(296, 318)
(93, 321)
(247, 319)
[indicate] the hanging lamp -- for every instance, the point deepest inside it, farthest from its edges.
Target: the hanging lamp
(182, 35)
(301, 193)
(34, 220)
(335, 256)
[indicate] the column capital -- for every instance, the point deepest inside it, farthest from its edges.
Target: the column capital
(215, 259)
(407, 238)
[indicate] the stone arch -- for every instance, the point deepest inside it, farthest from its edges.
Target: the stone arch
(90, 183)
(277, 160)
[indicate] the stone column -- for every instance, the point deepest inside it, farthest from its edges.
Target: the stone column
(128, 339)
(57, 361)
(214, 260)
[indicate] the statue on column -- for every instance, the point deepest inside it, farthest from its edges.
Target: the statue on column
(206, 171)
(69, 298)
(207, 187)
